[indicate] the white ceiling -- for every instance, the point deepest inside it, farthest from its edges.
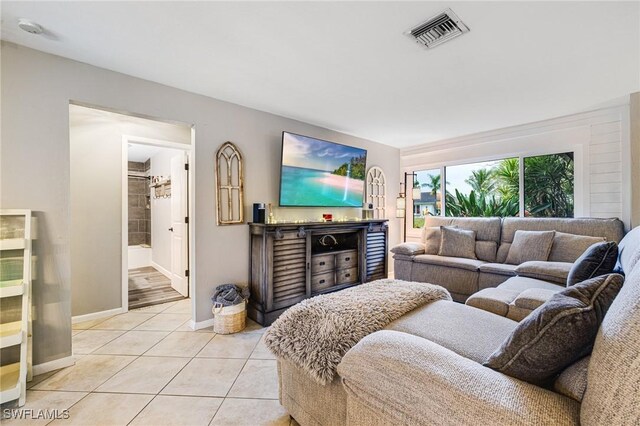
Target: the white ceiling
(347, 65)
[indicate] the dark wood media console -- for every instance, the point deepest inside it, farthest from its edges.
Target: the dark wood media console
(291, 262)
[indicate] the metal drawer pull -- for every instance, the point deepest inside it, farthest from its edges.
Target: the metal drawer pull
(346, 259)
(321, 281)
(321, 263)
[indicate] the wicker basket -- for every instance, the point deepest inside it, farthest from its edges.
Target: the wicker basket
(229, 319)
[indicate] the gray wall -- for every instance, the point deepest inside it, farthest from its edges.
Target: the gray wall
(96, 168)
(36, 90)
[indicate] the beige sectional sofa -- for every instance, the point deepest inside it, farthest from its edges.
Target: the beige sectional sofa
(464, 277)
(426, 369)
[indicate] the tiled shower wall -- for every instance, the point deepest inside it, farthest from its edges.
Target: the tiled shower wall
(139, 205)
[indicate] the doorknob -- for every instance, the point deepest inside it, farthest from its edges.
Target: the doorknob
(171, 229)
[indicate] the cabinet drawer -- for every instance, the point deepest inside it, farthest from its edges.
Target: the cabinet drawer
(347, 259)
(347, 276)
(321, 263)
(322, 281)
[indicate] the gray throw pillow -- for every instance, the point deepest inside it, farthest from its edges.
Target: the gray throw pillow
(599, 259)
(557, 333)
(530, 245)
(457, 243)
(431, 237)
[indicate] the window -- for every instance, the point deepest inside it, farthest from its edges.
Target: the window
(429, 203)
(548, 185)
(489, 188)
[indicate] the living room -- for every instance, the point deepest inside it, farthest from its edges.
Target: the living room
(507, 84)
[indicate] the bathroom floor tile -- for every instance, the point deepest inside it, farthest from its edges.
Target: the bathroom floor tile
(132, 343)
(167, 410)
(164, 322)
(90, 340)
(230, 346)
(180, 343)
(88, 373)
(154, 309)
(254, 412)
(99, 409)
(205, 377)
(258, 379)
(126, 321)
(144, 375)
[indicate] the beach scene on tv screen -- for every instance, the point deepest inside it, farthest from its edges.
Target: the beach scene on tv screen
(320, 173)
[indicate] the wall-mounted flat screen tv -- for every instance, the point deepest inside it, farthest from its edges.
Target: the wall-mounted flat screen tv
(317, 173)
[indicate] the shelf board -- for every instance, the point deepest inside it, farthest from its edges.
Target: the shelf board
(10, 334)
(9, 382)
(11, 288)
(13, 244)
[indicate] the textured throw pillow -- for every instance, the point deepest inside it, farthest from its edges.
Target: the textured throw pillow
(569, 247)
(457, 243)
(558, 333)
(408, 249)
(530, 245)
(599, 259)
(431, 237)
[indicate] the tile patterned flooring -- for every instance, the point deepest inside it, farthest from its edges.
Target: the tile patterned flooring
(147, 367)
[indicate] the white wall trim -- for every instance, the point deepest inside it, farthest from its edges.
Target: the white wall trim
(161, 269)
(97, 315)
(201, 324)
(53, 365)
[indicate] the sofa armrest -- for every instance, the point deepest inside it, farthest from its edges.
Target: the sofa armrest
(408, 249)
(533, 297)
(406, 379)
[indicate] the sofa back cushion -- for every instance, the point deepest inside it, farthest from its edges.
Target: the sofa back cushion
(530, 246)
(612, 395)
(569, 247)
(456, 242)
(610, 229)
(431, 238)
(487, 232)
(626, 250)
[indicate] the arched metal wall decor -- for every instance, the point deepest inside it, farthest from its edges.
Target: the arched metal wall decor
(229, 185)
(376, 191)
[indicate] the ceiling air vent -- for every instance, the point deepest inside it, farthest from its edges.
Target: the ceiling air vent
(437, 30)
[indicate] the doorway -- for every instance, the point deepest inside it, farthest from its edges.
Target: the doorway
(157, 220)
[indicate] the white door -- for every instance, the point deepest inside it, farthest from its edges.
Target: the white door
(179, 253)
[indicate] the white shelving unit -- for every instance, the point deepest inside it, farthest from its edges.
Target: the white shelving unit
(17, 332)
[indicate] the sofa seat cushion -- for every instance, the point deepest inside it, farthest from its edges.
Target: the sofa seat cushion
(532, 298)
(470, 332)
(555, 272)
(572, 382)
(521, 284)
(453, 262)
(494, 300)
(499, 269)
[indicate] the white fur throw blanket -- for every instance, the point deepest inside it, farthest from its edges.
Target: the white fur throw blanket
(317, 332)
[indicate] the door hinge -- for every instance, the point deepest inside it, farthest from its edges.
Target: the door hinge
(186, 219)
(186, 166)
(186, 273)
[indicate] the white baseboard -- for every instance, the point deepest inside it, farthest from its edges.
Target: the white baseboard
(56, 364)
(201, 324)
(97, 315)
(160, 269)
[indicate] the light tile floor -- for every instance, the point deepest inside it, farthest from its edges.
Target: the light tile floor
(147, 367)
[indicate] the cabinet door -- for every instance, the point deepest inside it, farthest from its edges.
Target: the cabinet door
(289, 271)
(376, 259)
